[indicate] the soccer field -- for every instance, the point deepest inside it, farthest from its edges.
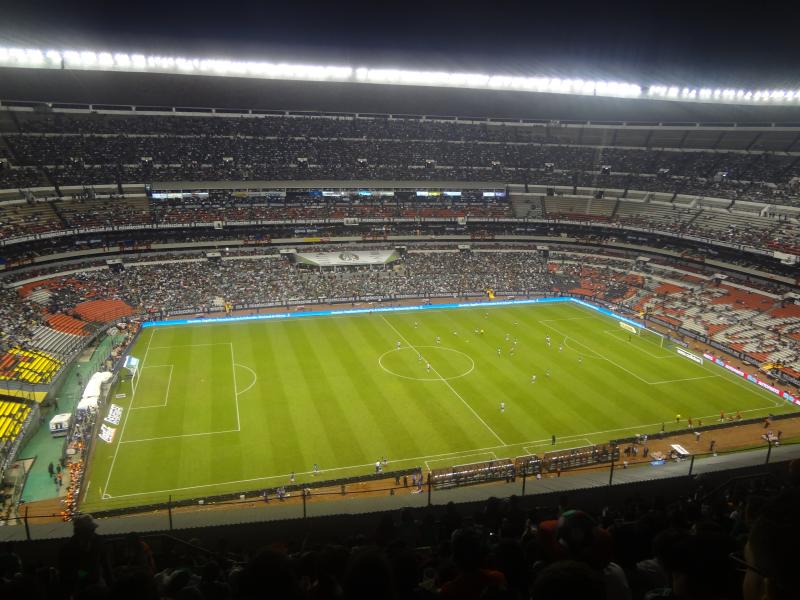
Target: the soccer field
(239, 406)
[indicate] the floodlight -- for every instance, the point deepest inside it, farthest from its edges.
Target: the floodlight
(88, 59)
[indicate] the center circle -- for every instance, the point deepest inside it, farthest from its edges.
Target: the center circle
(446, 363)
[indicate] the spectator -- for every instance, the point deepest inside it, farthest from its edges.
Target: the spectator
(83, 560)
(770, 569)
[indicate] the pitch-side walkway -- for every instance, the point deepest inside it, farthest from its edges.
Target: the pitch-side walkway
(275, 511)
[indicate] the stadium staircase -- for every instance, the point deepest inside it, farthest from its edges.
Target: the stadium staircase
(615, 209)
(7, 150)
(58, 213)
(526, 206)
(692, 219)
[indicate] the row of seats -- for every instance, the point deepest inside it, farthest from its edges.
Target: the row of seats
(31, 366)
(12, 419)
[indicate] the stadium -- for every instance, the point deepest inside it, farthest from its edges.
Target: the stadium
(288, 305)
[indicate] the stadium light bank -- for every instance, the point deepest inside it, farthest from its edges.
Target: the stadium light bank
(140, 63)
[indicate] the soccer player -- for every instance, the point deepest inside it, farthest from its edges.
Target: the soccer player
(533, 378)
(502, 407)
(498, 351)
(560, 348)
(416, 324)
(580, 359)
(428, 367)
(438, 340)
(291, 477)
(316, 469)
(547, 373)
(419, 357)
(398, 344)
(508, 337)
(547, 339)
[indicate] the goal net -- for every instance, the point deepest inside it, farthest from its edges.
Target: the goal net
(132, 366)
(648, 335)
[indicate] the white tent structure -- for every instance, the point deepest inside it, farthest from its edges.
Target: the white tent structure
(91, 394)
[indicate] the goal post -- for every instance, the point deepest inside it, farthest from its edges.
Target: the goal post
(648, 335)
(131, 365)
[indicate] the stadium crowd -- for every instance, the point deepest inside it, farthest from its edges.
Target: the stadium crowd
(101, 149)
(707, 222)
(16, 320)
(202, 285)
(249, 278)
(731, 542)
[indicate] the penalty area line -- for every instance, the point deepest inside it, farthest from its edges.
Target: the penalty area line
(456, 455)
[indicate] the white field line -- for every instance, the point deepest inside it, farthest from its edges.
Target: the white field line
(189, 345)
(678, 380)
(127, 414)
(435, 460)
(748, 386)
(616, 334)
(565, 319)
(255, 378)
(181, 435)
(605, 358)
(235, 393)
(714, 371)
(166, 394)
(455, 455)
(447, 383)
(169, 385)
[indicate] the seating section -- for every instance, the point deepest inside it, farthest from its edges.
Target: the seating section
(55, 342)
(31, 366)
(103, 311)
(21, 219)
(98, 212)
(67, 324)
(90, 149)
(12, 419)
(737, 317)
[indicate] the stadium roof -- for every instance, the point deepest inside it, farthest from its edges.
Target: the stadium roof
(172, 90)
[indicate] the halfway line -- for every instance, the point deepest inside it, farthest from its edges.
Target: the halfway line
(447, 383)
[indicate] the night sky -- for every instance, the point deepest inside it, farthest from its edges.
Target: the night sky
(698, 44)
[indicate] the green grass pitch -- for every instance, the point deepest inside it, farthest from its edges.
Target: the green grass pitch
(239, 406)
